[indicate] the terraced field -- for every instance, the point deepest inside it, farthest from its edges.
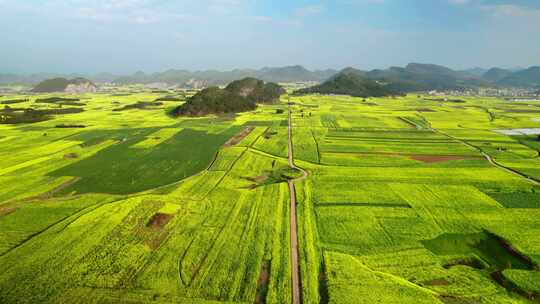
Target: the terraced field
(407, 201)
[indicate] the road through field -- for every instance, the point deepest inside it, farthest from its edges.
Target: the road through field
(491, 160)
(295, 270)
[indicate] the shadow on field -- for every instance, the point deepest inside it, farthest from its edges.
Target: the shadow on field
(491, 255)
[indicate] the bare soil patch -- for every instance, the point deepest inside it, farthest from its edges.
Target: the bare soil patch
(71, 156)
(159, 220)
(239, 137)
(7, 210)
(262, 286)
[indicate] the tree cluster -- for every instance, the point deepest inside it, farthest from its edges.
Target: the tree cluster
(239, 96)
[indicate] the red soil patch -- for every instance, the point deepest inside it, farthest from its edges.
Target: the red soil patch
(437, 158)
(239, 137)
(159, 220)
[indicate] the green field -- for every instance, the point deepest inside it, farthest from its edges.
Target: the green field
(401, 205)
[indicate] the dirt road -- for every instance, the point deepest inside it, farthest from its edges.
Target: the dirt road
(295, 269)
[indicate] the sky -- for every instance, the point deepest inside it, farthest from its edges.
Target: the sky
(125, 36)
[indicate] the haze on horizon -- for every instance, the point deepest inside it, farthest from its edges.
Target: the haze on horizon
(124, 36)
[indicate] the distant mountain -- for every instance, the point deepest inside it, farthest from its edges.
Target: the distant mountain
(212, 77)
(413, 77)
(477, 72)
(525, 78)
(293, 74)
(103, 77)
(351, 82)
(76, 85)
(196, 79)
(496, 74)
(239, 96)
(39, 77)
(422, 77)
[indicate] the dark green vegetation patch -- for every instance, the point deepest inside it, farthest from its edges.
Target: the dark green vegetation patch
(13, 101)
(140, 105)
(171, 98)
(29, 115)
(493, 252)
(123, 169)
(239, 96)
(518, 199)
(61, 101)
(486, 252)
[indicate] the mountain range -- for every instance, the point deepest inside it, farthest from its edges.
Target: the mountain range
(413, 77)
(212, 77)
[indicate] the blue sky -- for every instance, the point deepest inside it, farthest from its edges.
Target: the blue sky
(124, 36)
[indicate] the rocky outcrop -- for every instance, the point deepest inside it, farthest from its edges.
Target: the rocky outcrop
(76, 85)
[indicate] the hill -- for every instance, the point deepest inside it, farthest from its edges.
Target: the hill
(239, 96)
(76, 85)
(351, 82)
(525, 78)
(477, 72)
(496, 74)
(423, 77)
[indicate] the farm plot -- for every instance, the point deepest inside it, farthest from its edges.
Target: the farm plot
(399, 205)
(273, 141)
(181, 215)
(383, 195)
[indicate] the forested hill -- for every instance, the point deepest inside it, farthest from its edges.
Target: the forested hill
(239, 96)
(525, 78)
(351, 82)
